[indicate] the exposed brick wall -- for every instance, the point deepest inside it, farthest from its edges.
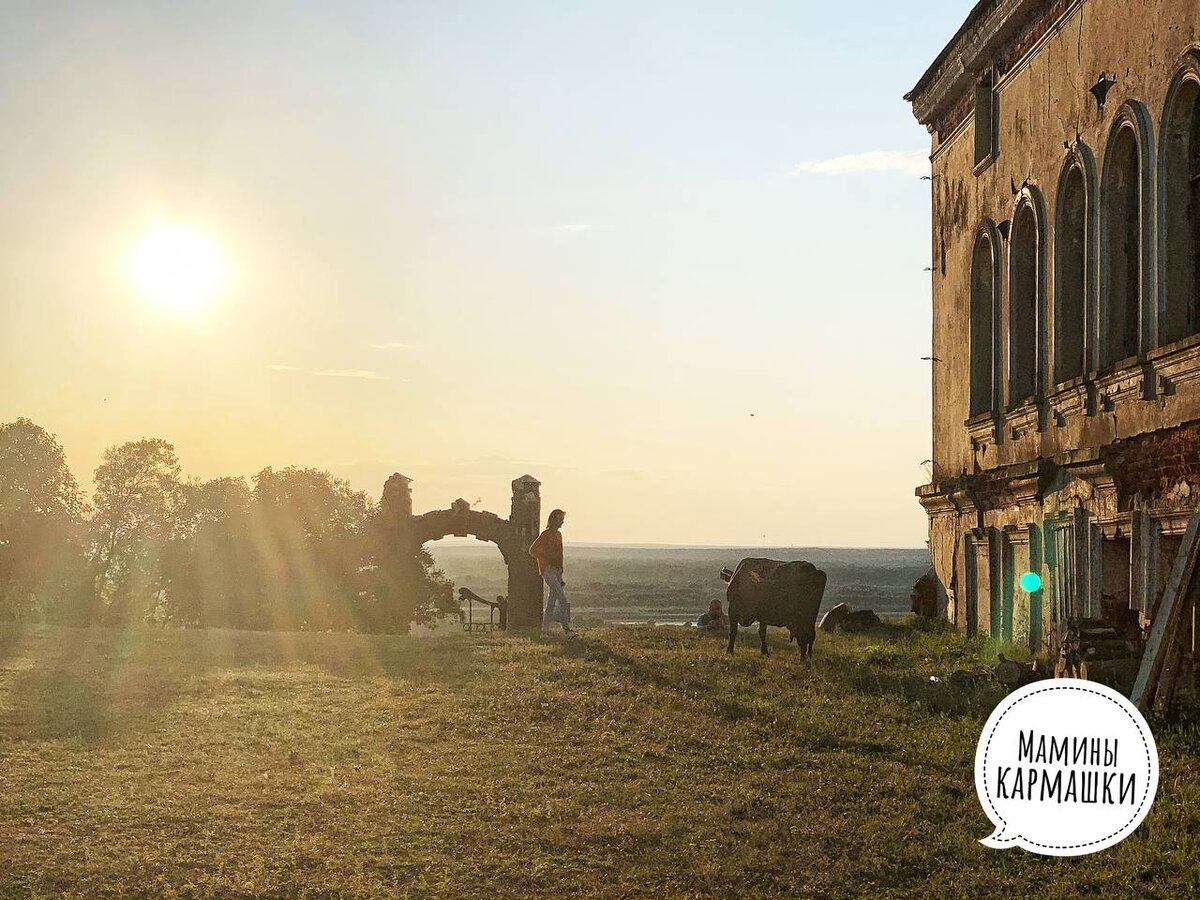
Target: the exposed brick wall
(1036, 24)
(955, 114)
(1149, 465)
(1021, 41)
(1152, 464)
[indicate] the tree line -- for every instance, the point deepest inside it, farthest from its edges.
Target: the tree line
(291, 549)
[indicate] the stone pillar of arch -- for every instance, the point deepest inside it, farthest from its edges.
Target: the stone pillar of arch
(397, 497)
(525, 590)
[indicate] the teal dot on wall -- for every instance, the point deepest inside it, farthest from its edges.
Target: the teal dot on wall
(1030, 582)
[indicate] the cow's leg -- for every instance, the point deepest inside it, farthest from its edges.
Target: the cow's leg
(732, 634)
(762, 637)
(798, 634)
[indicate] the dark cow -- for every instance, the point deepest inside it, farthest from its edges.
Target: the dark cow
(784, 594)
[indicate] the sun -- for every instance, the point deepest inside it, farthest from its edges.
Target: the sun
(178, 268)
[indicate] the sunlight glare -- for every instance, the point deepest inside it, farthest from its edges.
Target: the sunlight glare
(176, 267)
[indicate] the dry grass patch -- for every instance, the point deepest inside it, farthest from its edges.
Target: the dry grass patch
(635, 762)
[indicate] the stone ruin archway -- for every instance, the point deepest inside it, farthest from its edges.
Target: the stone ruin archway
(512, 535)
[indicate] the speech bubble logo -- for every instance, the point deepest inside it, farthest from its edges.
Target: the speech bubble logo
(1065, 768)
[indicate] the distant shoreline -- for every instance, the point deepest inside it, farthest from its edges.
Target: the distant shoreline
(675, 583)
(587, 545)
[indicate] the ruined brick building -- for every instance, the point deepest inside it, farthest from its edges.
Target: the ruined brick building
(1066, 299)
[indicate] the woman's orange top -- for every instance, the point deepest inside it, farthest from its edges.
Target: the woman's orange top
(548, 550)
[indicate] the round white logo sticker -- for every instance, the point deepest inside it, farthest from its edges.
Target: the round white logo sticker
(1064, 768)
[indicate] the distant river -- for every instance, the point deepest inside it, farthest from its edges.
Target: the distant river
(675, 584)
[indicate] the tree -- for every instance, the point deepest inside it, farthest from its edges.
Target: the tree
(211, 566)
(433, 597)
(332, 560)
(310, 528)
(138, 493)
(301, 550)
(41, 519)
(404, 585)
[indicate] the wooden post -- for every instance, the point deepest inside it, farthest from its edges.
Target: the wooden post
(1166, 617)
(1082, 586)
(1141, 539)
(1173, 659)
(1096, 596)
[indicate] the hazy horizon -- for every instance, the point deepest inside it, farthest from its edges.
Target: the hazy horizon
(471, 543)
(621, 583)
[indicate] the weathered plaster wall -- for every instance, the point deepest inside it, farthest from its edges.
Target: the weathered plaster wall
(1043, 107)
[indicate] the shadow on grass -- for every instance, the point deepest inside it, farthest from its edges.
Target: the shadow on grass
(867, 674)
(888, 631)
(935, 697)
(704, 694)
(63, 694)
(11, 637)
(696, 689)
(593, 650)
(89, 684)
(349, 656)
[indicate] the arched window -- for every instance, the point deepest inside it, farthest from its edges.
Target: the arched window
(1024, 303)
(1122, 245)
(983, 317)
(1181, 209)
(1071, 275)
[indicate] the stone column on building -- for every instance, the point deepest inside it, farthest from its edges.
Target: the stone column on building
(525, 589)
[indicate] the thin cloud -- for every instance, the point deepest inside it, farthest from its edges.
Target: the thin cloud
(572, 227)
(387, 345)
(364, 374)
(912, 162)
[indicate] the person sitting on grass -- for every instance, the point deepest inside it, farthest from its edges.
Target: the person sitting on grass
(715, 619)
(548, 551)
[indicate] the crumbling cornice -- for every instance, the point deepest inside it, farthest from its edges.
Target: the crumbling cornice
(967, 55)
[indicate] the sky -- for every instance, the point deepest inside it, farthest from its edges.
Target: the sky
(667, 258)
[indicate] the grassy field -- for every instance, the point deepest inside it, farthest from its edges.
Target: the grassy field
(634, 762)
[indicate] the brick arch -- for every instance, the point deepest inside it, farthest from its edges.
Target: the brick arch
(462, 521)
(512, 536)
